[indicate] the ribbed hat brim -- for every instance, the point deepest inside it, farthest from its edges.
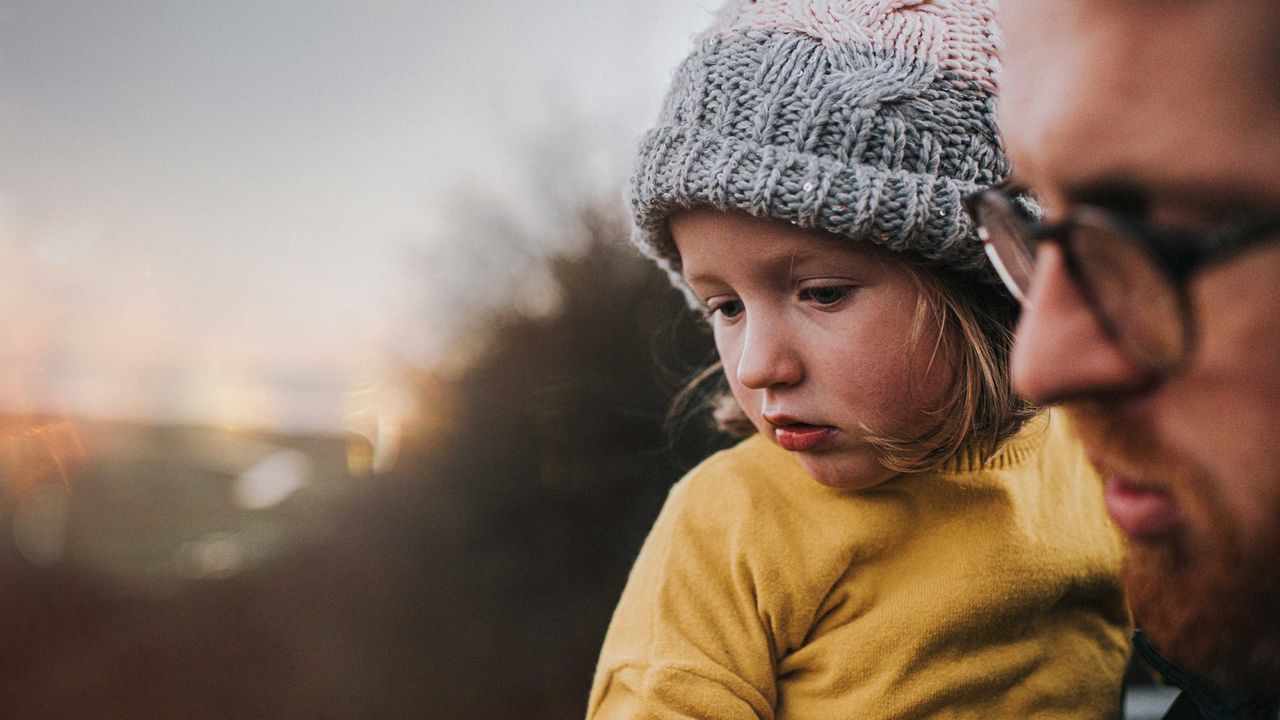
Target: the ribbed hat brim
(901, 211)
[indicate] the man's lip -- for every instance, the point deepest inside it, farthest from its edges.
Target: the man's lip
(1142, 512)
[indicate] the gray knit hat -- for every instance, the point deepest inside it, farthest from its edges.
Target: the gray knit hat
(869, 119)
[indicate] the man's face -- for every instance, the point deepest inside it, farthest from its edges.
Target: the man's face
(1169, 110)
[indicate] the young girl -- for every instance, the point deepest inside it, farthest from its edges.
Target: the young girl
(897, 539)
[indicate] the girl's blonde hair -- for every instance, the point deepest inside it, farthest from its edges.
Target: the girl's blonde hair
(977, 414)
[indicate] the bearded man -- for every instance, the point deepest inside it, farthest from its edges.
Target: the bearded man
(1149, 132)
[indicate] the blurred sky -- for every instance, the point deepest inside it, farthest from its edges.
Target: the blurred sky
(217, 212)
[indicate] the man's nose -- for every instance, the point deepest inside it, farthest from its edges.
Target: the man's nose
(1060, 351)
(768, 358)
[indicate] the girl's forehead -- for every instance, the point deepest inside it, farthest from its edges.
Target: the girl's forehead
(728, 258)
(709, 236)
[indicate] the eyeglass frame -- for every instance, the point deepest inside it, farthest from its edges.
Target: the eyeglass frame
(1175, 254)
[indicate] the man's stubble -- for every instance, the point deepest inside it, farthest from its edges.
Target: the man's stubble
(1208, 595)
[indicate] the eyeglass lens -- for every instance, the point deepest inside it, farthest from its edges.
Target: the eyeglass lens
(1139, 303)
(1008, 243)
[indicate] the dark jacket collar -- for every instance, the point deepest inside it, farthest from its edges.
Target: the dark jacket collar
(1201, 699)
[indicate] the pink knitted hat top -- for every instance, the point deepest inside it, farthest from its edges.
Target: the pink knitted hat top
(954, 35)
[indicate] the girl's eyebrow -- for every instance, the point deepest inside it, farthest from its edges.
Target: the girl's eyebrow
(769, 264)
(701, 278)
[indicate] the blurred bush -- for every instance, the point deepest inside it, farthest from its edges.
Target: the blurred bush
(473, 581)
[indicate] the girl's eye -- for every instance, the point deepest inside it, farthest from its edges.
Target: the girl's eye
(727, 308)
(825, 294)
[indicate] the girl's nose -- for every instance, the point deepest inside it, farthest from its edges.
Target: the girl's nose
(1060, 351)
(768, 358)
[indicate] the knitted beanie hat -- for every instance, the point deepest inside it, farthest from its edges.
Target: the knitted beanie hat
(869, 119)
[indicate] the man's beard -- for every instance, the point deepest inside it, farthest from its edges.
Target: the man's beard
(1208, 596)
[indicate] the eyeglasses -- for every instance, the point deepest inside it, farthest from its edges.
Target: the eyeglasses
(1133, 275)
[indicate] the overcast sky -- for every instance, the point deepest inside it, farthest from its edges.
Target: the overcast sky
(209, 211)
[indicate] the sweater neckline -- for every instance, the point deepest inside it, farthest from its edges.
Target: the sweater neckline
(1012, 453)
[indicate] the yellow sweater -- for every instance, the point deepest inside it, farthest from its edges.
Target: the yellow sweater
(972, 592)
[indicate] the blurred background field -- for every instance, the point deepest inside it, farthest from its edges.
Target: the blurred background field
(187, 571)
(329, 385)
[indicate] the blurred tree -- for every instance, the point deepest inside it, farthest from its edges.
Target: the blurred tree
(474, 581)
(555, 454)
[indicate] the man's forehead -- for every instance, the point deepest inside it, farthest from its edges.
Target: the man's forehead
(1167, 92)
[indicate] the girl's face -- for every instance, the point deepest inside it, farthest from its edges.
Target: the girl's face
(815, 334)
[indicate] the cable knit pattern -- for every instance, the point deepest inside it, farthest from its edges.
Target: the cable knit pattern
(955, 35)
(870, 119)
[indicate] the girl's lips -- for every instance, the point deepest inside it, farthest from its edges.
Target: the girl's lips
(1142, 513)
(799, 437)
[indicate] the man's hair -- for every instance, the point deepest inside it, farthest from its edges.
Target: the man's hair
(978, 412)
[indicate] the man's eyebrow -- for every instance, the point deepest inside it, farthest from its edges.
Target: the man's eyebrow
(1126, 196)
(1141, 196)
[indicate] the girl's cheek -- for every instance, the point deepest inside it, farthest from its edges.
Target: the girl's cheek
(725, 347)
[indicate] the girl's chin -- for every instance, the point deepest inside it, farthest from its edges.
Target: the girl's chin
(845, 473)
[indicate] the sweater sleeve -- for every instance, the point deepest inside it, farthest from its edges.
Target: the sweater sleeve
(690, 637)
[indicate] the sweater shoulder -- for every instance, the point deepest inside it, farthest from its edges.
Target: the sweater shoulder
(753, 467)
(753, 485)
(757, 499)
